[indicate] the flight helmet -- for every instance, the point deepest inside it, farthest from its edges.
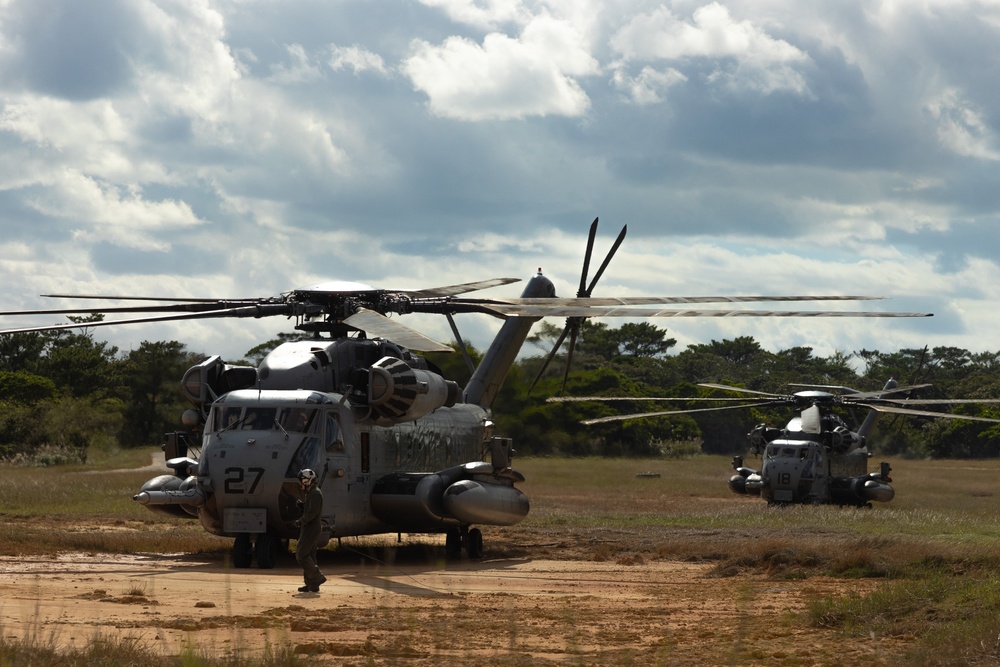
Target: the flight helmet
(307, 477)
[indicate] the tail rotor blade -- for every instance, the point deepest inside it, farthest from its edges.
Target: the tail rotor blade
(586, 259)
(573, 323)
(607, 260)
(549, 358)
(574, 328)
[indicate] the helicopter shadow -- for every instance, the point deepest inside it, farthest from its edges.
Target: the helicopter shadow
(387, 577)
(370, 566)
(398, 587)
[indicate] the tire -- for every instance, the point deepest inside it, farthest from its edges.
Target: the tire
(453, 544)
(242, 551)
(266, 550)
(474, 544)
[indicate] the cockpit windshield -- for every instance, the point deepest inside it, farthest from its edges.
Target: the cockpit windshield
(779, 452)
(259, 419)
(262, 418)
(298, 420)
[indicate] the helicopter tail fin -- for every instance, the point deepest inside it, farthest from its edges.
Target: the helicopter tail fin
(489, 376)
(868, 425)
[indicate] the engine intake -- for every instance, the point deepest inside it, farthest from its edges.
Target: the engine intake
(398, 392)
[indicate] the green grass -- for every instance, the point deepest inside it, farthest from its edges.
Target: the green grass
(933, 549)
(90, 508)
(950, 501)
(34, 650)
(953, 614)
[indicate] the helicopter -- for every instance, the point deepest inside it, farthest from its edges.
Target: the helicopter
(816, 458)
(398, 447)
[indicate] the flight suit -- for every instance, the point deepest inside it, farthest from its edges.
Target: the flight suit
(311, 524)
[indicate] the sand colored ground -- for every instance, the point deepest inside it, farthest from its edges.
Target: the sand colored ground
(423, 611)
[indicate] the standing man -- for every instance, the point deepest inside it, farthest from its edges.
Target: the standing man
(309, 530)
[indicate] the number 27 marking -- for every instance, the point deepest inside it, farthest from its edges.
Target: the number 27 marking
(236, 478)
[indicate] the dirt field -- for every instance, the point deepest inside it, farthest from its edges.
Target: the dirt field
(421, 611)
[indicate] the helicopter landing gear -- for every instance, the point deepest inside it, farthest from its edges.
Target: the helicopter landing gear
(264, 548)
(474, 544)
(242, 551)
(458, 538)
(453, 543)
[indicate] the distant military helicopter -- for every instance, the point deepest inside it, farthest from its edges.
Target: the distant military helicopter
(398, 447)
(816, 458)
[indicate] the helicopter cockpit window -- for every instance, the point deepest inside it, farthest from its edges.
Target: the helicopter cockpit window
(334, 436)
(298, 420)
(227, 417)
(259, 419)
(776, 452)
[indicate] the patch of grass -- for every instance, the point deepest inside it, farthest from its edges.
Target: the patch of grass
(103, 651)
(933, 549)
(954, 619)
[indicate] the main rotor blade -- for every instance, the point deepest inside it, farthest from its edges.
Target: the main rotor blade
(811, 420)
(192, 307)
(741, 390)
(381, 326)
(559, 311)
(263, 310)
(578, 399)
(606, 301)
(884, 394)
(616, 418)
(121, 297)
(935, 401)
(452, 290)
(923, 413)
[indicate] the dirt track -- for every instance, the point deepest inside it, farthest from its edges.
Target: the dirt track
(424, 612)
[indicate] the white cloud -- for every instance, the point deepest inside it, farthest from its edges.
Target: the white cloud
(191, 69)
(357, 59)
(713, 33)
(649, 86)
(763, 62)
(485, 14)
(505, 78)
(262, 130)
(106, 213)
(300, 70)
(494, 242)
(961, 128)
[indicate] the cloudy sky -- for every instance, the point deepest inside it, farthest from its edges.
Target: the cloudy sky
(235, 148)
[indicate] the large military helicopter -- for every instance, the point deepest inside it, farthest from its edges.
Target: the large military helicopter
(398, 447)
(816, 458)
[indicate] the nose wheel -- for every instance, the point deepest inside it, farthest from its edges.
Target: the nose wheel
(263, 547)
(457, 539)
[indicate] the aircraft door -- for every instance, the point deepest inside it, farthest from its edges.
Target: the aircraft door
(338, 508)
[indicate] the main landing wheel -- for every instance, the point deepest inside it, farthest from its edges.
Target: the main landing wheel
(453, 543)
(266, 550)
(474, 544)
(457, 539)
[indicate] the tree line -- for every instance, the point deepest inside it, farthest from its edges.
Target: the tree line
(63, 392)
(637, 360)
